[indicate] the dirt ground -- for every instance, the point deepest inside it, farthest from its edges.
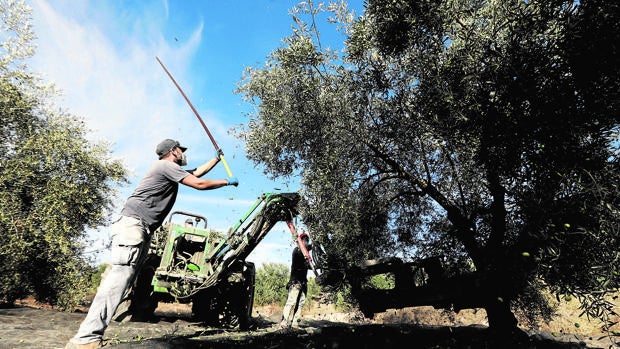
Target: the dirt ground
(30, 325)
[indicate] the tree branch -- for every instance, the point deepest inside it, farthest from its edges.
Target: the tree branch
(465, 229)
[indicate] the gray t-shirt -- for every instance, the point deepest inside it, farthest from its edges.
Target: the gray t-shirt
(155, 194)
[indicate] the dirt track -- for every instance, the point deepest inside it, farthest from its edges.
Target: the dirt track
(27, 327)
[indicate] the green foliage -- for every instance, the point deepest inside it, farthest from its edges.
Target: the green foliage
(485, 132)
(97, 276)
(383, 281)
(342, 299)
(270, 287)
(53, 182)
(313, 291)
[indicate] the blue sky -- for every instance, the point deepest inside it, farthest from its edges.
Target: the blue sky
(101, 56)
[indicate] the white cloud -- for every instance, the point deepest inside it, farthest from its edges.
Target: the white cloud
(105, 66)
(116, 85)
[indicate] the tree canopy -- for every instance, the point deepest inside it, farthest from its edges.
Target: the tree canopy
(485, 132)
(54, 183)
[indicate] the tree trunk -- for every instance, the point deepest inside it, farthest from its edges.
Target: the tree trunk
(503, 324)
(500, 316)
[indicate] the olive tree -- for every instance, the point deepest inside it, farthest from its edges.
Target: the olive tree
(271, 279)
(54, 183)
(485, 132)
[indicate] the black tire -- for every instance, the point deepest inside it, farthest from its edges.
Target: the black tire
(247, 295)
(216, 309)
(205, 308)
(237, 308)
(231, 304)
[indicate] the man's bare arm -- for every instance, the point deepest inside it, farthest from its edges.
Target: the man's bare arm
(203, 184)
(206, 167)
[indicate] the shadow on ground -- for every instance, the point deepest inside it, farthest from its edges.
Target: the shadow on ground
(360, 336)
(24, 327)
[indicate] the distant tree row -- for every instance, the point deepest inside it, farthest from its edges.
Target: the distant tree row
(270, 287)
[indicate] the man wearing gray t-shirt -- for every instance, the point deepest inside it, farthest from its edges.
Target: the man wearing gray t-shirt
(144, 211)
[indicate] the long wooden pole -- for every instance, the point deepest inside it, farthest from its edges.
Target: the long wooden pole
(217, 148)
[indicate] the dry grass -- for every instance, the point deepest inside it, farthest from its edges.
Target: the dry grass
(569, 321)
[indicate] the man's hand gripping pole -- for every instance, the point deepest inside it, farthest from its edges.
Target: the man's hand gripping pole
(217, 148)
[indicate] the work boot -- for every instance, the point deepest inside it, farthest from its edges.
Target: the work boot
(91, 345)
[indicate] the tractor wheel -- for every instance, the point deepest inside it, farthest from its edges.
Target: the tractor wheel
(205, 308)
(236, 308)
(217, 310)
(229, 305)
(247, 296)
